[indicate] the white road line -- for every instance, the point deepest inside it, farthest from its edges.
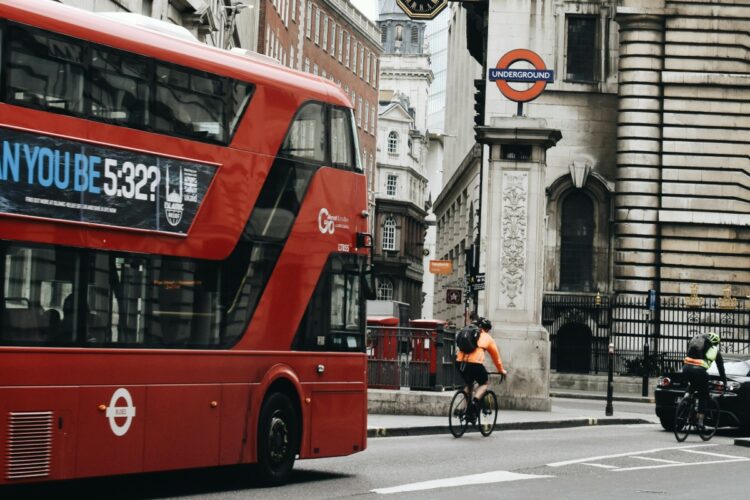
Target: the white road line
(713, 454)
(603, 457)
(687, 464)
(658, 460)
(451, 482)
(601, 465)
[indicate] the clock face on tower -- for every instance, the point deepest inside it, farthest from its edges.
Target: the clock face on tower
(422, 9)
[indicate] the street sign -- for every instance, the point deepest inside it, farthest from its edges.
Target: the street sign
(441, 266)
(453, 296)
(476, 282)
(422, 9)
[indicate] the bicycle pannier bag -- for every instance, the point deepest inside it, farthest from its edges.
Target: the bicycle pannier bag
(467, 338)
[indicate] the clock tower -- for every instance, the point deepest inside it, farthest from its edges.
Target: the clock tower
(422, 9)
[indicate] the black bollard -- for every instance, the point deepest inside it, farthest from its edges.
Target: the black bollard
(644, 388)
(610, 383)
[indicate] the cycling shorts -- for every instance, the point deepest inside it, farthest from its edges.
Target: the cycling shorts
(472, 372)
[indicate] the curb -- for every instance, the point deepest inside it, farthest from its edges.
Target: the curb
(598, 397)
(510, 426)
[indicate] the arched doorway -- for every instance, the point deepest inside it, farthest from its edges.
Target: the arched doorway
(574, 348)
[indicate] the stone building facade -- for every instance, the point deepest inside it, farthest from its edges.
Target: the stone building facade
(401, 187)
(647, 189)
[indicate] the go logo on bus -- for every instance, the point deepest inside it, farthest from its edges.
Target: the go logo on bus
(326, 223)
(115, 413)
(539, 75)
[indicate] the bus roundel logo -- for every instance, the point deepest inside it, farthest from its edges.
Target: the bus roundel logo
(115, 412)
(539, 75)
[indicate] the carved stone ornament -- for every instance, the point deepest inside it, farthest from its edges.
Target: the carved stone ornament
(694, 300)
(513, 231)
(727, 301)
(579, 172)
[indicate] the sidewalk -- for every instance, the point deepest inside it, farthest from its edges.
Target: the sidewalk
(385, 425)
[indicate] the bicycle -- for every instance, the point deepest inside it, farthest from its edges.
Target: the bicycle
(460, 414)
(686, 416)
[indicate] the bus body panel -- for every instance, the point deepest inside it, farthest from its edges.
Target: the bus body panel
(330, 199)
(175, 425)
(101, 411)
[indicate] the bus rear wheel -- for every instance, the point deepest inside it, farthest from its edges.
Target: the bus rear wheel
(278, 438)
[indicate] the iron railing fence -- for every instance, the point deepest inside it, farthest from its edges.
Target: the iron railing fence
(582, 326)
(417, 358)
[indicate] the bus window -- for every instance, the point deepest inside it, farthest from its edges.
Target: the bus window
(61, 74)
(45, 70)
(36, 282)
(189, 103)
(306, 139)
(119, 90)
(332, 319)
(341, 139)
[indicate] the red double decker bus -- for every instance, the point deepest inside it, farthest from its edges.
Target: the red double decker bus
(182, 253)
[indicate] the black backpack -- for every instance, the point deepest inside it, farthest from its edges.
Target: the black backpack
(467, 338)
(697, 347)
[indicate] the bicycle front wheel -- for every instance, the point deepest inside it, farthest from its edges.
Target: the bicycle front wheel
(487, 413)
(457, 420)
(711, 419)
(682, 419)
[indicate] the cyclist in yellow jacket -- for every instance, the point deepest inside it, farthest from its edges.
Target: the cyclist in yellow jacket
(703, 350)
(471, 366)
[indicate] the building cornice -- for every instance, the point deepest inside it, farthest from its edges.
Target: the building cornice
(364, 26)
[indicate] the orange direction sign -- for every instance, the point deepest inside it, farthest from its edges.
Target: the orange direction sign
(441, 266)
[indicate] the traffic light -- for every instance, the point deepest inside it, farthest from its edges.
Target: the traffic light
(479, 97)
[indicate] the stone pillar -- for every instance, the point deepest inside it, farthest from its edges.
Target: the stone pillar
(639, 143)
(514, 204)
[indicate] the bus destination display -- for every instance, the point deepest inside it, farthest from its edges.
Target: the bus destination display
(55, 178)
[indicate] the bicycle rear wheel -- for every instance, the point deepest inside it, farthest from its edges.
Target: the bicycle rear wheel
(487, 413)
(457, 421)
(682, 419)
(711, 418)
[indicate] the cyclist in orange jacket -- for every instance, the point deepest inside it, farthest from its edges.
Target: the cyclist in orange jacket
(471, 366)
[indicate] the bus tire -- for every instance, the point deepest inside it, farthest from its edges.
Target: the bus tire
(278, 438)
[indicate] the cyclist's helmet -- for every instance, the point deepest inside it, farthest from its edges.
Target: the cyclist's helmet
(713, 337)
(485, 324)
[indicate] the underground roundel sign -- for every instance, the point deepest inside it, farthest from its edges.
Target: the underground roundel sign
(539, 75)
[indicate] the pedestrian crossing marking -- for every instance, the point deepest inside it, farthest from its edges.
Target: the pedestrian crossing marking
(686, 464)
(658, 459)
(620, 455)
(453, 482)
(721, 458)
(601, 466)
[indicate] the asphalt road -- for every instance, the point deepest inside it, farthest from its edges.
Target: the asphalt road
(617, 462)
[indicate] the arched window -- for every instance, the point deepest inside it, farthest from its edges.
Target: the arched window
(389, 234)
(399, 33)
(384, 35)
(385, 289)
(393, 142)
(577, 243)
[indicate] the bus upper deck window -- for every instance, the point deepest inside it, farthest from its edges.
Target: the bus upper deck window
(189, 103)
(306, 138)
(341, 139)
(119, 91)
(45, 70)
